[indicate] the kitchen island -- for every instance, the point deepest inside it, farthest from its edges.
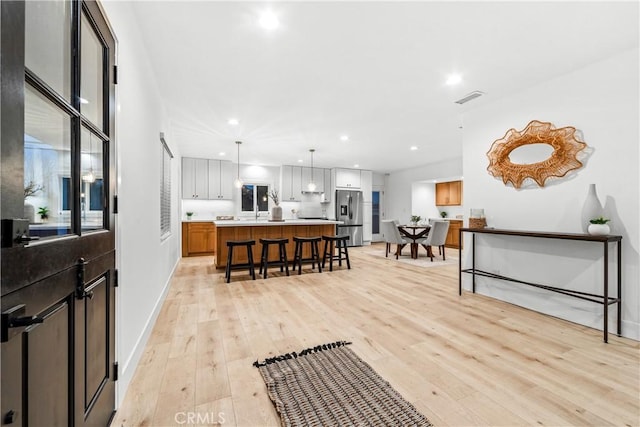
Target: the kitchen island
(245, 229)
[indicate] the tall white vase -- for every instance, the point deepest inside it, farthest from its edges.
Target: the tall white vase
(591, 208)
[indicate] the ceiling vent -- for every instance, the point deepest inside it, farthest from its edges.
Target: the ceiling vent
(469, 97)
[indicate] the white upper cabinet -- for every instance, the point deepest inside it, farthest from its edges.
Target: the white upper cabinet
(195, 178)
(366, 184)
(328, 193)
(220, 180)
(318, 179)
(291, 183)
(348, 178)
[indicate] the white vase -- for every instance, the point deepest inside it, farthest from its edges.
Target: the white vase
(591, 208)
(276, 213)
(599, 229)
(29, 213)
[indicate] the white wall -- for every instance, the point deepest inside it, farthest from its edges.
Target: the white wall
(601, 101)
(145, 263)
(398, 186)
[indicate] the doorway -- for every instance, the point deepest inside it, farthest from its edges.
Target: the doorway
(377, 215)
(58, 274)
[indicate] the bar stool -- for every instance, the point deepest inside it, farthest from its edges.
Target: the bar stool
(340, 243)
(315, 253)
(230, 266)
(282, 251)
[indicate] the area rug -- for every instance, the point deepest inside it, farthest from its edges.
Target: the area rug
(423, 260)
(329, 385)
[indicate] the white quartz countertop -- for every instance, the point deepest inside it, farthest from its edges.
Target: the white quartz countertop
(248, 223)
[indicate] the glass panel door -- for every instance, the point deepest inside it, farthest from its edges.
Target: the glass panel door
(47, 161)
(92, 188)
(48, 43)
(92, 69)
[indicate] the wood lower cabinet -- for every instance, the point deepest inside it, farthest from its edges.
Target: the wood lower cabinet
(449, 193)
(257, 232)
(453, 235)
(198, 238)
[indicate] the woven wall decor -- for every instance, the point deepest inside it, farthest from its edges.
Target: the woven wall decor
(563, 159)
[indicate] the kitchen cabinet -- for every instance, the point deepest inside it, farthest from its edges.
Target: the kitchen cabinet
(220, 180)
(453, 235)
(449, 193)
(291, 184)
(198, 238)
(348, 178)
(318, 179)
(366, 184)
(328, 193)
(195, 178)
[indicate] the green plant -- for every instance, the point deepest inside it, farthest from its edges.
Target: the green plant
(443, 214)
(599, 220)
(43, 212)
(273, 195)
(189, 214)
(415, 218)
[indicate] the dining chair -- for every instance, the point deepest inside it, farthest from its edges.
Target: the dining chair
(392, 236)
(437, 237)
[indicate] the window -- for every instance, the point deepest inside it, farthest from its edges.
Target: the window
(165, 190)
(255, 198)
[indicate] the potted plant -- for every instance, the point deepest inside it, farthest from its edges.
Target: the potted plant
(276, 211)
(189, 215)
(415, 219)
(443, 214)
(599, 226)
(44, 213)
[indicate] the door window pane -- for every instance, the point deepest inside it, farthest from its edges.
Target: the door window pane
(92, 71)
(47, 158)
(47, 43)
(92, 195)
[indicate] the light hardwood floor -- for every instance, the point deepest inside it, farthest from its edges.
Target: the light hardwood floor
(461, 360)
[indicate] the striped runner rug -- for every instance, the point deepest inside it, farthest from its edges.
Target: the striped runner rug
(329, 385)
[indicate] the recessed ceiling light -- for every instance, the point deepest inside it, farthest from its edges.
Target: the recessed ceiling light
(222, 153)
(269, 21)
(454, 79)
(356, 166)
(233, 122)
(299, 160)
(344, 138)
(413, 148)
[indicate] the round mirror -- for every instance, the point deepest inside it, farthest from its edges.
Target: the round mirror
(529, 154)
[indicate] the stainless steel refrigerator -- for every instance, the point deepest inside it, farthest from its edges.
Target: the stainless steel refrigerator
(349, 210)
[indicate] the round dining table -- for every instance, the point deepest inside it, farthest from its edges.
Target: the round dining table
(415, 232)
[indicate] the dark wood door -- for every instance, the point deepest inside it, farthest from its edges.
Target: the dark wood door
(57, 272)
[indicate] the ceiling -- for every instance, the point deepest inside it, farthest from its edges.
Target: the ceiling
(374, 71)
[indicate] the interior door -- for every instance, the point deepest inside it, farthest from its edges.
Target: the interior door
(57, 158)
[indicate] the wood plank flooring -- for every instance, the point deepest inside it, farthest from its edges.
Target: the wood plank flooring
(461, 360)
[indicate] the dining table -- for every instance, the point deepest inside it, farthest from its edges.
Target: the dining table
(415, 232)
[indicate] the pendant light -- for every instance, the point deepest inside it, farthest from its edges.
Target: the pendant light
(238, 182)
(312, 185)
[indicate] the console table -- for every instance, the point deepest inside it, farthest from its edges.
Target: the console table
(603, 299)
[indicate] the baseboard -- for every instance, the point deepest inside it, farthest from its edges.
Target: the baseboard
(130, 365)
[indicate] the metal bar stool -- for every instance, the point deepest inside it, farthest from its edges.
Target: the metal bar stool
(282, 252)
(230, 266)
(340, 243)
(315, 253)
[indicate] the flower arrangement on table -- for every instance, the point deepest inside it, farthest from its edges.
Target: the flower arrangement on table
(415, 219)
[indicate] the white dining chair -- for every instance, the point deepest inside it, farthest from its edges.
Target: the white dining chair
(437, 237)
(392, 236)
